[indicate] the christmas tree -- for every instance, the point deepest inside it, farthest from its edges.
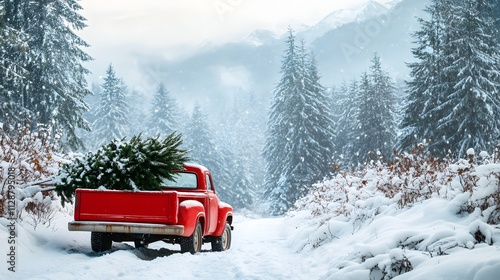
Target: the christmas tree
(132, 165)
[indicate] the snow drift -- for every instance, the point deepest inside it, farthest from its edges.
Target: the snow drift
(416, 218)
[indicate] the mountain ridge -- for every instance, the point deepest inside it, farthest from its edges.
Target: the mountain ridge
(214, 75)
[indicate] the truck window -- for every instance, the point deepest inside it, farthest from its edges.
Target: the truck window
(182, 180)
(209, 184)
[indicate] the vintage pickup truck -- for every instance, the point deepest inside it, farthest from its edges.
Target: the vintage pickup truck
(186, 211)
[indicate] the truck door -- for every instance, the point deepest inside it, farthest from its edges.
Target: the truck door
(213, 205)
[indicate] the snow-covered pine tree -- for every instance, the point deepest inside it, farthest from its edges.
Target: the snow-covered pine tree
(237, 189)
(277, 148)
(240, 133)
(470, 109)
(317, 135)
(338, 96)
(13, 54)
(249, 137)
(427, 80)
(138, 116)
(164, 115)
(55, 79)
(112, 114)
(297, 125)
(365, 117)
(495, 14)
(241, 190)
(93, 102)
(136, 164)
(200, 141)
(345, 105)
(453, 95)
(375, 123)
(474, 64)
(384, 108)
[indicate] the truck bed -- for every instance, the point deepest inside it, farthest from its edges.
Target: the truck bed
(154, 207)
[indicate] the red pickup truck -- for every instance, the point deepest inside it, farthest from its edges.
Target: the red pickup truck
(186, 211)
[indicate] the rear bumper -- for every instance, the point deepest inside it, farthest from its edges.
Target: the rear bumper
(117, 227)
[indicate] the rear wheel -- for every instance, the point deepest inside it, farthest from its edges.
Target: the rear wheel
(223, 242)
(140, 244)
(193, 243)
(100, 241)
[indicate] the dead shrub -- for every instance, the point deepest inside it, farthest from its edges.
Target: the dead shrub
(30, 157)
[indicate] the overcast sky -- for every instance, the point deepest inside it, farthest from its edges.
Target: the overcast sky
(123, 32)
(176, 27)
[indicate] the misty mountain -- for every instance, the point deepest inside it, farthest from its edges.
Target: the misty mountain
(344, 53)
(338, 18)
(343, 42)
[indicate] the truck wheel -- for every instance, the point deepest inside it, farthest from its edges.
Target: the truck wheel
(140, 244)
(223, 242)
(100, 241)
(193, 243)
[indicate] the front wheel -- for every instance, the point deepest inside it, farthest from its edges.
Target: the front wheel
(100, 241)
(193, 243)
(223, 242)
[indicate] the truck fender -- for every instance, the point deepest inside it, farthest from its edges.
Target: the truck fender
(225, 215)
(190, 212)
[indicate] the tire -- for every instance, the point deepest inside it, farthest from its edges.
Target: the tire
(100, 241)
(193, 243)
(223, 242)
(139, 244)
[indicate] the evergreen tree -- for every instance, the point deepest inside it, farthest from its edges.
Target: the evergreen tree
(299, 128)
(276, 148)
(93, 102)
(472, 66)
(237, 189)
(365, 117)
(13, 50)
(54, 85)
(317, 133)
(200, 141)
(346, 107)
(384, 108)
(453, 95)
(134, 165)
(428, 81)
(164, 114)
(338, 97)
(495, 14)
(138, 116)
(240, 133)
(112, 114)
(241, 186)
(375, 123)
(250, 137)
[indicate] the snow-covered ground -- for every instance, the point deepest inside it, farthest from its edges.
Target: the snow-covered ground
(259, 251)
(349, 227)
(429, 237)
(270, 248)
